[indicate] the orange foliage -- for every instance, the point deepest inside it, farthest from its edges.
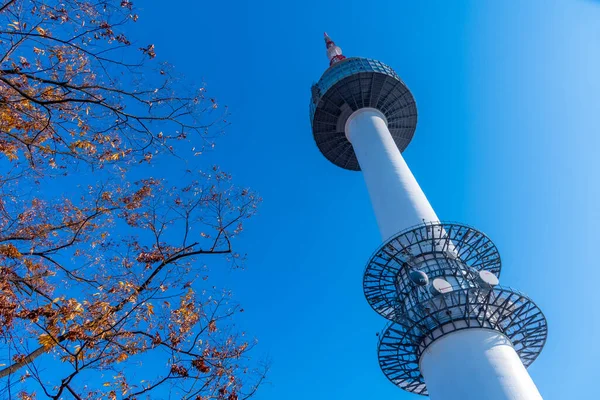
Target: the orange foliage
(97, 271)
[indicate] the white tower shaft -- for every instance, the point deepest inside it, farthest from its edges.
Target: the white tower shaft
(398, 201)
(475, 364)
(469, 364)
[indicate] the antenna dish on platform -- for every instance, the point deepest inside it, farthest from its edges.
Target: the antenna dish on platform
(488, 278)
(440, 286)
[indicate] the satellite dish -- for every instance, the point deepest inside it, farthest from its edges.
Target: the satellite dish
(440, 285)
(419, 278)
(488, 278)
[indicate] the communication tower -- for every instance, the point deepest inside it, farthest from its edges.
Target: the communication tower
(454, 332)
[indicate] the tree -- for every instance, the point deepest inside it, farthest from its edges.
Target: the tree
(98, 278)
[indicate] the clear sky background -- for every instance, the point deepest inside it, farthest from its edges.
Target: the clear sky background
(508, 95)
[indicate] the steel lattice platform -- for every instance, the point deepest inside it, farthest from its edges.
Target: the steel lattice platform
(446, 248)
(502, 309)
(421, 314)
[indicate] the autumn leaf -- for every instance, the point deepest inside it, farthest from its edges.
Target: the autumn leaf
(149, 51)
(46, 341)
(212, 326)
(10, 251)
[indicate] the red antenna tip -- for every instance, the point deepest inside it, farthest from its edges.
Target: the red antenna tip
(334, 53)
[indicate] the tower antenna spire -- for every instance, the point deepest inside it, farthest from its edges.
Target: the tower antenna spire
(334, 52)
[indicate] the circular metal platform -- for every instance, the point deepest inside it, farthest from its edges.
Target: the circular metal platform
(352, 84)
(501, 309)
(455, 245)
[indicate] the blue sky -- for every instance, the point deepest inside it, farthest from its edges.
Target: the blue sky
(508, 95)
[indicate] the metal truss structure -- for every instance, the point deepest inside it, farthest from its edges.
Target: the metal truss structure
(502, 309)
(421, 314)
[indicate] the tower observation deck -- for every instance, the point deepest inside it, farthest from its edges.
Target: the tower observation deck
(453, 332)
